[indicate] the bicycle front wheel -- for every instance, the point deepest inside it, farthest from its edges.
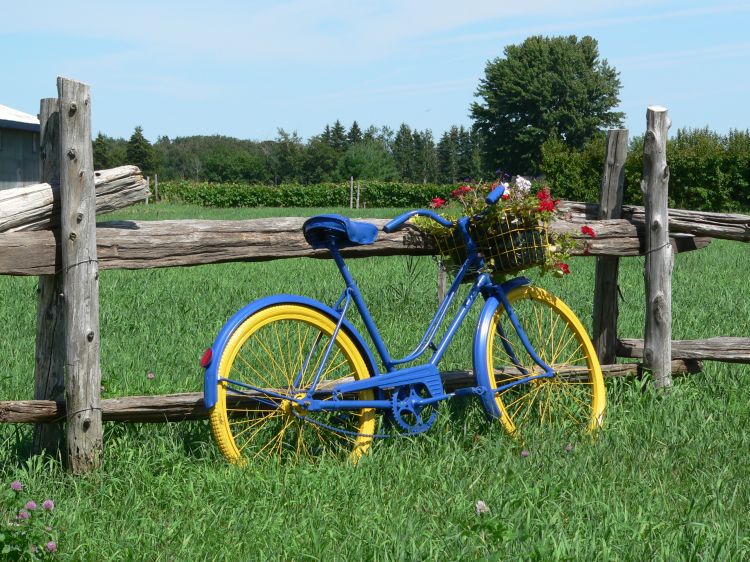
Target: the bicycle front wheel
(281, 348)
(573, 398)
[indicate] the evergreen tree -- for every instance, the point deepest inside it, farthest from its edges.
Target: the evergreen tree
(102, 153)
(338, 139)
(425, 157)
(140, 152)
(403, 152)
(354, 135)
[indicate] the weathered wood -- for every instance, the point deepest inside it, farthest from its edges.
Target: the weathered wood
(604, 334)
(726, 349)
(37, 207)
(659, 258)
(442, 282)
(49, 382)
(726, 226)
(149, 244)
(80, 278)
(189, 406)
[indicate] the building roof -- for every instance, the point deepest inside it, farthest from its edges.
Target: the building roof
(13, 119)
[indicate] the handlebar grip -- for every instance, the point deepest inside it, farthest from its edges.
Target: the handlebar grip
(495, 195)
(399, 221)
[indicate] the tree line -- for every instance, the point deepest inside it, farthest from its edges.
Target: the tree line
(336, 154)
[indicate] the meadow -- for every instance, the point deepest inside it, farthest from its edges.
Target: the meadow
(668, 477)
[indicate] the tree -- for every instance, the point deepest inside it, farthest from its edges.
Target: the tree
(354, 135)
(102, 153)
(403, 152)
(368, 160)
(544, 86)
(338, 140)
(141, 153)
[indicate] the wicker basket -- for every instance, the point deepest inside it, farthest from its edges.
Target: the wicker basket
(509, 244)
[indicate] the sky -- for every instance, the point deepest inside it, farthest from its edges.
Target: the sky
(247, 68)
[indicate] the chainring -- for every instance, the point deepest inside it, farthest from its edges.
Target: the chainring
(408, 415)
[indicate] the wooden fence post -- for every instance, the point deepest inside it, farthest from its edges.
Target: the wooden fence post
(49, 383)
(657, 344)
(80, 271)
(605, 282)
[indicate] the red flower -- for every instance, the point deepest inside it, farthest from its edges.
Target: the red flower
(506, 194)
(564, 267)
(588, 231)
(543, 193)
(546, 205)
(460, 191)
(437, 202)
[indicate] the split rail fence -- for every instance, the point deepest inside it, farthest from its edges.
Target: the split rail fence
(61, 243)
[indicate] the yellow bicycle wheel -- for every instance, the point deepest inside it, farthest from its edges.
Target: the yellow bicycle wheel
(280, 348)
(573, 398)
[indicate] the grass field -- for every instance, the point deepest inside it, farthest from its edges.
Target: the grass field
(667, 479)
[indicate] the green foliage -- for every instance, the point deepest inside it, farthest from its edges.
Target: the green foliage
(707, 171)
(368, 160)
(543, 86)
(141, 153)
(373, 193)
(572, 174)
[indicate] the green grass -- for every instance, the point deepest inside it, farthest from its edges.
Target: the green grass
(668, 478)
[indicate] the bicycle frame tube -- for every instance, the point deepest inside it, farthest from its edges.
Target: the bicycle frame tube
(352, 290)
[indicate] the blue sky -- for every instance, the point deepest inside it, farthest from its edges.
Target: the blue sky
(245, 68)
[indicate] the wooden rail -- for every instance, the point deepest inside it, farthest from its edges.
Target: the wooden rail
(189, 406)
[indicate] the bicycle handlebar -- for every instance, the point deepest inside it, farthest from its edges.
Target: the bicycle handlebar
(495, 195)
(399, 221)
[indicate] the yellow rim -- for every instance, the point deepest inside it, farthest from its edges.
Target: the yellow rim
(268, 350)
(576, 394)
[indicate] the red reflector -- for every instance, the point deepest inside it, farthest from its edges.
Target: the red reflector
(206, 359)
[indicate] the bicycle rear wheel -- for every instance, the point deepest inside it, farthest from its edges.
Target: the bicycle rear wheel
(573, 398)
(280, 348)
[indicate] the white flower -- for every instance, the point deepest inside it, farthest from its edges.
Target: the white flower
(481, 508)
(522, 184)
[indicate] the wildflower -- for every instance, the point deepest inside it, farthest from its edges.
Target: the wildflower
(51, 546)
(31, 505)
(23, 514)
(588, 231)
(525, 453)
(437, 202)
(481, 508)
(460, 191)
(48, 505)
(16, 486)
(150, 376)
(568, 447)
(523, 184)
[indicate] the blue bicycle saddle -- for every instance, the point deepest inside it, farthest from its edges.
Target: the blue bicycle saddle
(345, 232)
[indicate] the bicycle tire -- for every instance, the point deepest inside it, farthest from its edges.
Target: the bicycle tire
(573, 398)
(268, 350)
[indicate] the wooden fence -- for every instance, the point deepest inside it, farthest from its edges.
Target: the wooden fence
(67, 259)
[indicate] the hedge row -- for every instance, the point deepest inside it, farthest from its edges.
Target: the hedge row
(372, 194)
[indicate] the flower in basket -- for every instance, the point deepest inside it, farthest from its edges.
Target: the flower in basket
(511, 235)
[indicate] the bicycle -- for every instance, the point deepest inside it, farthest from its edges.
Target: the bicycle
(288, 374)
